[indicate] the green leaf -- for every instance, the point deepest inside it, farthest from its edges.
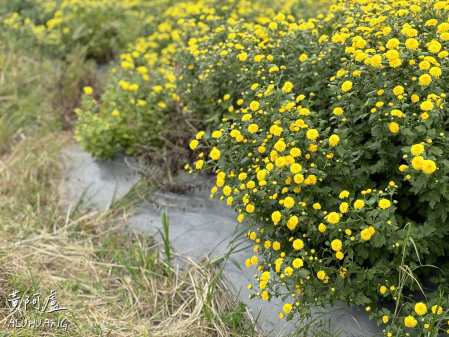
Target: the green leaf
(407, 132)
(304, 311)
(433, 150)
(360, 299)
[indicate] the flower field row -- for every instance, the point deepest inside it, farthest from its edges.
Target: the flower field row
(158, 93)
(327, 133)
(334, 146)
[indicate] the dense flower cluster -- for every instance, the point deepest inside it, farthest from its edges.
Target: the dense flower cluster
(333, 145)
(154, 90)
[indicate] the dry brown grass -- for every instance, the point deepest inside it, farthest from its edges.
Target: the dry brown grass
(112, 284)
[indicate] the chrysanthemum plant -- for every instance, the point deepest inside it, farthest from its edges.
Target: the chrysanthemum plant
(344, 177)
(164, 75)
